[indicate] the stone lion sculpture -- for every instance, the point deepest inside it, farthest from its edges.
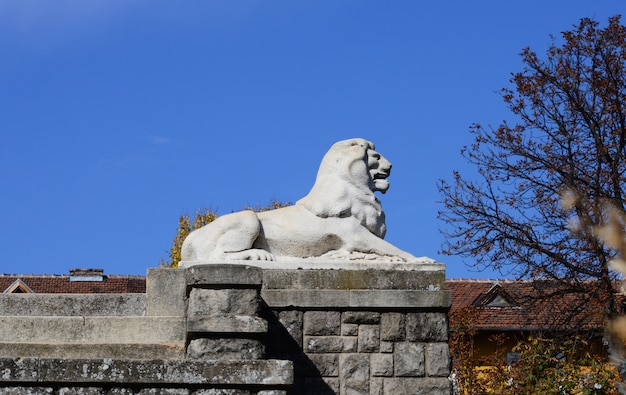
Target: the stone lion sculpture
(340, 219)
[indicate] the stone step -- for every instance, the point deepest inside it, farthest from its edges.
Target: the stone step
(112, 350)
(72, 304)
(92, 330)
(260, 373)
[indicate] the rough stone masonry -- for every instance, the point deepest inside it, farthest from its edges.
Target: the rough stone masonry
(371, 330)
(237, 329)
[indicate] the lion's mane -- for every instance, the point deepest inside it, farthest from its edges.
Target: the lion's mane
(344, 187)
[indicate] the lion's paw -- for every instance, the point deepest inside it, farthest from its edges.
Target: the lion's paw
(337, 255)
(361, 256)
(250, 255)
(380, 258)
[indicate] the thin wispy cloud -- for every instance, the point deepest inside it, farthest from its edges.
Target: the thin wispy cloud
(41, 22)
(159, 140)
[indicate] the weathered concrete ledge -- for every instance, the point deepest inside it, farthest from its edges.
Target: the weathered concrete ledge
(86, 371)
(72, 304)
(224, 274)
(376, 286)
(379, 276)
(167, 350)
(96, 330)
(422, 264)
(311, 274)
(392, 299)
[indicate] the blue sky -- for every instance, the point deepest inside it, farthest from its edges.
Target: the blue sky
(118, 116)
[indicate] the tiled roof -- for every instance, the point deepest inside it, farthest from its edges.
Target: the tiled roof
(522, 305)
(62, 284)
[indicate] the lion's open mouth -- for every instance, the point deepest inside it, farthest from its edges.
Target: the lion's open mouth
(381, 175)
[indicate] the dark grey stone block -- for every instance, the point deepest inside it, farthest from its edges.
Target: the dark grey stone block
(427, 327)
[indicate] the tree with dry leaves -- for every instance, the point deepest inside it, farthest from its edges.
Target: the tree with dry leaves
(566, 137)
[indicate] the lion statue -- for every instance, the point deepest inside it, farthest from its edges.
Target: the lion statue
(340, 219)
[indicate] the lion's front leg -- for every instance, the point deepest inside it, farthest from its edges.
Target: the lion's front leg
(374, 248)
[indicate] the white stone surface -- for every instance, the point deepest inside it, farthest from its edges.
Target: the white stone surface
(422, 264)
(341, 219)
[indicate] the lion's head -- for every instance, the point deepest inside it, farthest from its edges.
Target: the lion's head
(350, 173)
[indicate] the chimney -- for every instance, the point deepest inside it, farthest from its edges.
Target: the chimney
(86, 274)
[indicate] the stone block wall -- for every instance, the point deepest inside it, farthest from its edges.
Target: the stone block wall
(372, 331)
(236, 329)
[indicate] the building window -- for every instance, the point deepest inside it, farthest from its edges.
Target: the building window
(18, 287)
(496, 297)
